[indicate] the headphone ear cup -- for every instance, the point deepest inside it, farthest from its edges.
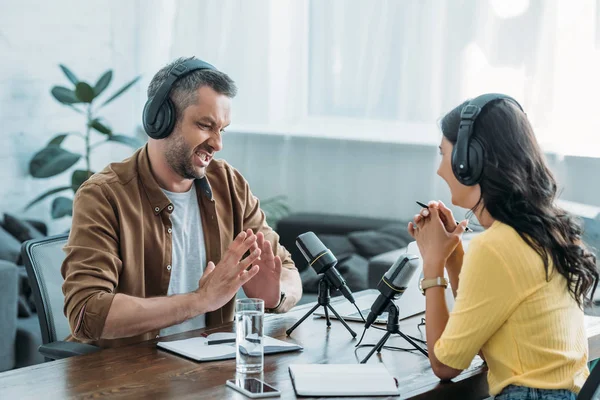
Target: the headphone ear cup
(475, 163)
(164, 123)
(475, 169)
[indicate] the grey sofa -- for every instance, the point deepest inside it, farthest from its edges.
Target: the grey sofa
(20, 334)
(353, 240)
(8, 314)
(20, 337)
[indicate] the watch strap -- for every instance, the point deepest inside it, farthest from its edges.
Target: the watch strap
(433, 282)
(281, 300)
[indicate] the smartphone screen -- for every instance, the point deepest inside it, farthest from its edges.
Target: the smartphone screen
(253, 385)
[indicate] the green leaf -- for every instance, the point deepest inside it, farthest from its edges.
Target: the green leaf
(64, 95)
(102, 83)
(69, 74)
(79, 176)
(127, 140)
(44, 195)
(61, 207)
(50, 161)
(84, 92)
(58, 139)
(100, 127)
(121, 91)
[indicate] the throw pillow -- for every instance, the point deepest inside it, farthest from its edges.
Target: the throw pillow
(354, 270)
(371, 243)
(340, 245)
(20, 229)
(10, 248)
(400, 231)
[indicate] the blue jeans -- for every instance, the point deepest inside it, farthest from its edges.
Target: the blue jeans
(513, 392)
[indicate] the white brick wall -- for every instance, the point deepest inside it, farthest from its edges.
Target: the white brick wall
(35, 36)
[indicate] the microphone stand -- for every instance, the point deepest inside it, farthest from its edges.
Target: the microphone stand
(393, 326)
(324, 300)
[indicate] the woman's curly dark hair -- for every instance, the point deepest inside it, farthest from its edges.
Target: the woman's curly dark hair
(518, 189)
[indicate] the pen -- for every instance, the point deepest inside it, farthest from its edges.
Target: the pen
(467, 229)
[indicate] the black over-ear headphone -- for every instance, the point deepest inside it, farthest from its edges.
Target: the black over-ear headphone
(159, 116)
(467, 154)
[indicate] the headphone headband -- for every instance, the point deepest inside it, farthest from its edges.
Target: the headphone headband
(159, 114)
(163, 91)
(467, 155)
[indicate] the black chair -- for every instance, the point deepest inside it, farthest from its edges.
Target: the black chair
(590, 387)
(43, 259)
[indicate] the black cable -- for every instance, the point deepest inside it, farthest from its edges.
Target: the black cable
(393, 348)
(360, 313)
(417, 339)
(362, 337)
(382, 329)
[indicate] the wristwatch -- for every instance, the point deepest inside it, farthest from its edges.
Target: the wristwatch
(274, 309)
(425, 284)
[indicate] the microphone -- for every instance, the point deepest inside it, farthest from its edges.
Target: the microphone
(323, 261)
(393, 284)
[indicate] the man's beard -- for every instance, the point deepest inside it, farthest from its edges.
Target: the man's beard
(179, 157)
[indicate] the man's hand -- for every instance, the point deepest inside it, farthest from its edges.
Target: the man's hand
(220, 283)
(266, 284)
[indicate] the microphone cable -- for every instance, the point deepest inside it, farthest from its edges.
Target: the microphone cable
(358, 345)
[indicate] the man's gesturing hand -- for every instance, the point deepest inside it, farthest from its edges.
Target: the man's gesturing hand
(266, 284)
(220, 283)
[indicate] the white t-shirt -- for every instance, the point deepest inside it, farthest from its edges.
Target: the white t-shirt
(188, 253)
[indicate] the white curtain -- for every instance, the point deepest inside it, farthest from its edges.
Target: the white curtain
(391, 60)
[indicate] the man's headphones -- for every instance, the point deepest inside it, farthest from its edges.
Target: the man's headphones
(159, 116)
(467, 154)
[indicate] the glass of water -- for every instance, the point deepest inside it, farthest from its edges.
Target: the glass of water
(249, 317)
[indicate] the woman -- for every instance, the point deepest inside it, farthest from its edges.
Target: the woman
(522, 284)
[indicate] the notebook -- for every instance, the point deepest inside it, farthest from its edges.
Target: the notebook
(221, 346)
(343, 380)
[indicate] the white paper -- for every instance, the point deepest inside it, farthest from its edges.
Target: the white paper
(198, 349)
(343, 380)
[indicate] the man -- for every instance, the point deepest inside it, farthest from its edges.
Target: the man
(158, 241)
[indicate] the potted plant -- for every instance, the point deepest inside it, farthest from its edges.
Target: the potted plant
(54, 159)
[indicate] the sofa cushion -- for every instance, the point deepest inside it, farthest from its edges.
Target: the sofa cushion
(29, 339)
(340, 245)
(10, 247)
(354, 270)
(20, 229)
(373, 242)
(39, 225)
(26, 301)
(8, 314)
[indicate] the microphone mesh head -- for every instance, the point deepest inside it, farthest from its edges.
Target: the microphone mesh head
(315, 252)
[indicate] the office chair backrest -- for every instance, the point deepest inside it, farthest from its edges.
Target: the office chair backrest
(589, 388)
(43, 259)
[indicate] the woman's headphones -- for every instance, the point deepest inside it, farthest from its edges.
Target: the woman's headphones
(159, 116)
(467, 154)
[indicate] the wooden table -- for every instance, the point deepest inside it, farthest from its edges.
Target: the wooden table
(142, 371)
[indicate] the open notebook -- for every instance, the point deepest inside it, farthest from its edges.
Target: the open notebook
(221, 346)
(343, 380)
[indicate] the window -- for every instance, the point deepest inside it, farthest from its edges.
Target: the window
(389, 69)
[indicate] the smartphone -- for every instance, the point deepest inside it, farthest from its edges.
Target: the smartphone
(253, 388)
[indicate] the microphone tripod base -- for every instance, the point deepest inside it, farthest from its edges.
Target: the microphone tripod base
(324, 301)
(393, 327)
